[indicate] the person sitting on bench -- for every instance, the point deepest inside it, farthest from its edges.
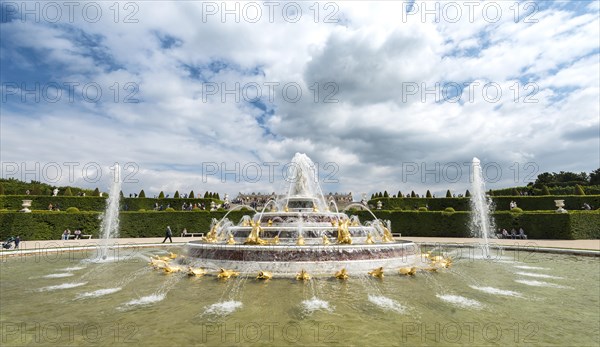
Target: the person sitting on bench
(522, 234)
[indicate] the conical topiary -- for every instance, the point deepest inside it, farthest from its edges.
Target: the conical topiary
(176, 195)
(467, 193)
(96, 192)
(68, 192)
(428, 194)
(191, 195)
(448, 194)
(579, 190)
(161, 195)
(399, 194)
(385, 194)
(545, 190)
(142, 194)
(412, 194)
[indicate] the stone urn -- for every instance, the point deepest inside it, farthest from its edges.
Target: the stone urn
(379, 205)
(26, 205)
(560, 204)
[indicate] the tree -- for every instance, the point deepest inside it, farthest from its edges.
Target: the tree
(206, 195)
(161, 195)
(142, 194)
(448, 194)
(412, 194)
(467, 194)
(595, 177)
(545, 190)
(36, 191)
(428, 194)
(1, 189)
(96, 192)
(372, 196)
(579, 190)
(191, 195)
(68, 192)
(514, 192)
(385, 194)
(400, 194)
(121, 194)
(176, 196)
(217, 196)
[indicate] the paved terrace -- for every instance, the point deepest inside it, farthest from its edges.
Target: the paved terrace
(590, 245)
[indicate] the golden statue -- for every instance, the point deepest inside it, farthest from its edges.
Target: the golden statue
(264, 275)
(315, 209)
(231, 240)
(254, 237)
(275, 240)
(270, 222)
(326, 240)
(286, 209)
(172, 255)
(342, 274)
(300, 240)
(196, 272)
(441, 262)
(157, 263)
(343, 236)
(227, 273)
(370, 239)
(377, 272)
(244, 223)
(387, 235)
(408, 271)
(211, 237)
(302, 276)
(168, 268)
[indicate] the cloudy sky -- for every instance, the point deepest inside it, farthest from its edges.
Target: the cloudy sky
(381, 95)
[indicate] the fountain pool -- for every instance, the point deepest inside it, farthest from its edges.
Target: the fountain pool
(508, 299)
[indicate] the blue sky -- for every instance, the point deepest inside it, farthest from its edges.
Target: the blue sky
(173, 88)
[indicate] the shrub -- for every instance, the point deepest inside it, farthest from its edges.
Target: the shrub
(161, 195)
(516, 210)
(385, 194)
(449, 210)
(176, 195)
(67, 192)
(399, 194)
(96, 192)
(72, 210)
(545, 190)
(423, 209)
(467, 194)
(191, 195)
(142, 194)
(169, 209)
(579, 190)
(141, 210)
(428, 194)
(412, 194)
(448, 194)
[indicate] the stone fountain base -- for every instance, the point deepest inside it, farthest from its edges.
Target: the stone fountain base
(289, 259)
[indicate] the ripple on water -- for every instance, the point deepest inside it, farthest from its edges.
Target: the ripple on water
(497, 291)
(387, 303)
(58, 275)
(527, 267)
(222, 308)
(97, 293)
(145, 300)
(541, 284)
(531, 274)
(62, 286)
(315, 304)
(460, 301)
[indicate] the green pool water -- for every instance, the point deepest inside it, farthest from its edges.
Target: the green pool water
(536, 299)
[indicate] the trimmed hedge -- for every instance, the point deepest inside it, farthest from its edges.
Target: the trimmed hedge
(502, 203)
(92, 203)
(48, 225)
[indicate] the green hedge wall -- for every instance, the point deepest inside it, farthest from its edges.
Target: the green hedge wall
(502, 203)
(48, 225)
(91, 203)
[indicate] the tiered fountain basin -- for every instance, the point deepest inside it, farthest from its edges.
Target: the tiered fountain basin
(289, 259)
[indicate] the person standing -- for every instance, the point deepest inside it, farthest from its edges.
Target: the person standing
(168, 234)
(17, 241)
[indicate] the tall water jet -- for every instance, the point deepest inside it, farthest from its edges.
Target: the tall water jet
(481, 207)
(110, 218)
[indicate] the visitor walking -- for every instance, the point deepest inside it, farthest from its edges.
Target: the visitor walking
(168, 234)
(17, 241)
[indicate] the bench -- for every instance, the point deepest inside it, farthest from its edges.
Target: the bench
(192, 234)
(81, 236)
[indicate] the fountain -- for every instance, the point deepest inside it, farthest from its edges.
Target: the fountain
(481, 207)
(300, 233)
(110, 218)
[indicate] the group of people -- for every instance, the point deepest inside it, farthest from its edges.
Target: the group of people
(55, 207)
(10, 241)
(503, 234)
(67, 234)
